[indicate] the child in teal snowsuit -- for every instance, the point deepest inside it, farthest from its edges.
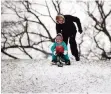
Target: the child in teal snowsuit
(63, 47)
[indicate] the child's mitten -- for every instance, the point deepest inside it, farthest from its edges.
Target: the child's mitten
(65, 52)
(54, 53)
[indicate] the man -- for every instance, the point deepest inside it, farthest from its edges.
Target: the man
(65, 25)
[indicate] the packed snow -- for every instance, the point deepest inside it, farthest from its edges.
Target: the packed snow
(39, 76)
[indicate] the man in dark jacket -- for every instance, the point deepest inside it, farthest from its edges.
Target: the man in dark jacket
(65, 25)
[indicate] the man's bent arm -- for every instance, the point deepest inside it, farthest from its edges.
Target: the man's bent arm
(77, 20)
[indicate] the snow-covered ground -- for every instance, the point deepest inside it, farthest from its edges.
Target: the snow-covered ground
(38, 76)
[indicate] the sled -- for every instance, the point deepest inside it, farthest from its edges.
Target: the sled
(60, 60)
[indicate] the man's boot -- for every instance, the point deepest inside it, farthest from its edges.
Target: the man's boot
(77, 58)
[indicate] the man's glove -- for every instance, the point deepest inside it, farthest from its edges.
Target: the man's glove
(65, 52)
(54, 53)
(80, 31)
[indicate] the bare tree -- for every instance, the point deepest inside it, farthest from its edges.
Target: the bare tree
(20, 33)
(100, 21)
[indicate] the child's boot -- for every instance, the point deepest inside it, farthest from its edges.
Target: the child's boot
(54, 62)
(68, 62)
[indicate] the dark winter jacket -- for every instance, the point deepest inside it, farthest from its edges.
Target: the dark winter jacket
(68, 28)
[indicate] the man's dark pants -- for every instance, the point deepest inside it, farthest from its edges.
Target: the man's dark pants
(73, 45)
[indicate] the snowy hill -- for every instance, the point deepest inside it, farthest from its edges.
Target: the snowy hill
(38, 76)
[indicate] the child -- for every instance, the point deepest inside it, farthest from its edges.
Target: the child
(59, 47)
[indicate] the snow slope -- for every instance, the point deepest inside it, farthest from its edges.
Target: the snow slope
(38, 76)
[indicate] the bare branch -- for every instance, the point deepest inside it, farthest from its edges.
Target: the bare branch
(9, 54)
(49, 12)
(42, 24)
